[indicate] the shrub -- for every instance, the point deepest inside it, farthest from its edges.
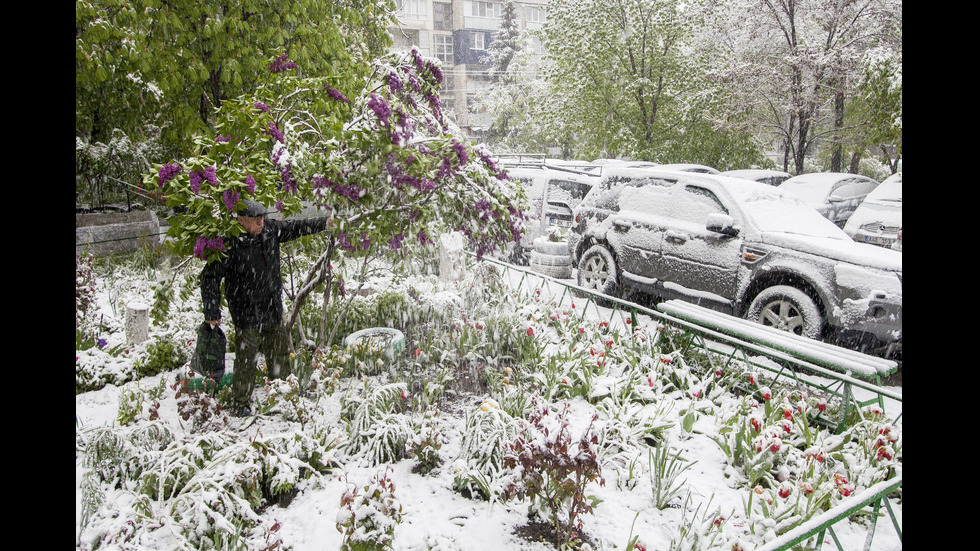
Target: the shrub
(368, 517)
(481, 464)
(165, 354)
(376, 428)
(554, 471)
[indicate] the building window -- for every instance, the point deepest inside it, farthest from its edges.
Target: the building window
(534, 14)
(442, 16)
(443, 48)
(412, 9)
(486, 9)
(477, 41)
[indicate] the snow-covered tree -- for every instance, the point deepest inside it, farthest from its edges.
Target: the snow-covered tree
(624, 81)
(393, 170)
(507, 42)
(793, 66)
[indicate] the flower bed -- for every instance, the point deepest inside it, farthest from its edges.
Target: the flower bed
(506, 412)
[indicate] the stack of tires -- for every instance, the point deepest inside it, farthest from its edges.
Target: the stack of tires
(551, 258)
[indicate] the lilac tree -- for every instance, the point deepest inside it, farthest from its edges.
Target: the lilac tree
(382, 158)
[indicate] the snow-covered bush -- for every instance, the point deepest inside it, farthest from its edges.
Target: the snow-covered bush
(368, 516)
(480, 465)
(206, 487)
(427, 440)
(376, 427)
(553, 470)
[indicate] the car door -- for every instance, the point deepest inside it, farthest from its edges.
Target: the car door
(698, 264)
(638, 228)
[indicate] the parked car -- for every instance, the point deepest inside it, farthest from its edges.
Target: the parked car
(552, 190)
(689, 167)
(765, 176)
(878, 219)
(834, 194)
(736, 246)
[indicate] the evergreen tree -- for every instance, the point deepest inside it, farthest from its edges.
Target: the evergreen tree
(507, 42)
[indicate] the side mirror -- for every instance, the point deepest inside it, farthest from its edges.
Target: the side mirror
(721, 223)
(835, 199)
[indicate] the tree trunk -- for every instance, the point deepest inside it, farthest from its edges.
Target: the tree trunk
(837, 157)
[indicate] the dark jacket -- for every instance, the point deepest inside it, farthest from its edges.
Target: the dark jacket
(253, 283)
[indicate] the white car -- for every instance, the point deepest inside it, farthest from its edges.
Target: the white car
(835, 195)
(689, 167)
(765, 176)
(552, 190)
(878, 219)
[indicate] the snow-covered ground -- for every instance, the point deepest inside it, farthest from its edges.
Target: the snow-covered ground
(434, 514)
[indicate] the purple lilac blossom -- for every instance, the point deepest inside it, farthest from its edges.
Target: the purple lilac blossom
(396, 242)
(210, 175)
(419, 63)
(281, 64)
(342, 239)
(196, 178)
(276, 133)
(365, 242)
(461, 152)
(335, 94)
(231, 198)
(280, 206)
(380, 108)
(287, 180)
(203, 244)
(394, 83)
(250, 183)
(414, 81)
(221, 138)
(261, 106)
(167, 172)
(435, 70)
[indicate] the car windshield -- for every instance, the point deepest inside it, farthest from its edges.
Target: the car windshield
(772, 211)
(810, 190)
(889, 190)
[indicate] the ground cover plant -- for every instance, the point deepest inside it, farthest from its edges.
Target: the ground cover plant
(512, 420)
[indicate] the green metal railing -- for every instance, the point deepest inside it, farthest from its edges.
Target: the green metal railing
(821, 525)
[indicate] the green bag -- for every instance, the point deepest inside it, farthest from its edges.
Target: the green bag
(209, 354)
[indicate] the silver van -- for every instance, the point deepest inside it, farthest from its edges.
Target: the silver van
(553, 189)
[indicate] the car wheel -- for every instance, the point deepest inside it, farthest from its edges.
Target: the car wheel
(787, 308)
(597, 271)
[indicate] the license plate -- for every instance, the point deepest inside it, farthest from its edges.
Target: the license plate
(878, 240)
(559, 222)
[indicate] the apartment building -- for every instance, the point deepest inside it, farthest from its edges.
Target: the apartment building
(458, 32)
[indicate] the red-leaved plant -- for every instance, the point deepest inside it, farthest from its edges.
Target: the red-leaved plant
(553, 470)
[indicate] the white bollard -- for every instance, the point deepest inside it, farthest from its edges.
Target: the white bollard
(137, 322)
(452, 264)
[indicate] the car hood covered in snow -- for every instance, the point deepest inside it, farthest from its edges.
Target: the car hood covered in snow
(842, 249)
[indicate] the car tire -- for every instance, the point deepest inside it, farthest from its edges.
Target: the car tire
(787, 308)
(552, 248)
(597, 271)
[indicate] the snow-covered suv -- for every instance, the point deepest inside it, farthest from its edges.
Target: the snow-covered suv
(737, 246)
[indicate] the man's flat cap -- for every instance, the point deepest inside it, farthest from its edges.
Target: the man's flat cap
(252, 209)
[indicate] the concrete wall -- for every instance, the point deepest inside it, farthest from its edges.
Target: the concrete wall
(102, 233)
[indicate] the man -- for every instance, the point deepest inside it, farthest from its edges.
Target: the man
(253, 287)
